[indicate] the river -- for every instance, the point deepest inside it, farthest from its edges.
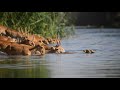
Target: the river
(104, 63)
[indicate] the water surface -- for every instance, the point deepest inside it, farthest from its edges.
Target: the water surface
(104, 63)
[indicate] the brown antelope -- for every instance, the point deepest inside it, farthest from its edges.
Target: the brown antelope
(19, 49)
(36, 39)
(41, 39)
(56, 49)
(47, 47)
(27, 42)
(49, 40)
(37, 49)
(12, 33)
(57, 41)
(41, 50)
(45, 41)
(2, 30)
(15, 34)
(21, 36)
(3, 45)
(13, 50)
(54, 41)
(9, 39)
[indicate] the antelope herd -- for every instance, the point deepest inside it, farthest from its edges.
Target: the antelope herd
(13, 42)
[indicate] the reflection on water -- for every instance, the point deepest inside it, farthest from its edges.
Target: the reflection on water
(22, 67)
(104, 63)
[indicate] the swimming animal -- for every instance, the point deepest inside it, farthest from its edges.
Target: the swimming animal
(89, 51)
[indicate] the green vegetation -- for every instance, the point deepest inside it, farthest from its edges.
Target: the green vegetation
(47, 24)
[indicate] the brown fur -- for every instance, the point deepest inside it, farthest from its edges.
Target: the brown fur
(15, 34)
(37, 39)
(2, 30)
(27, 42)
(54, 41)
(18, 49)
(56, 49)
(9, 39)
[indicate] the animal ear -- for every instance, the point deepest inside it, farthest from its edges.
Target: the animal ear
(32, 43)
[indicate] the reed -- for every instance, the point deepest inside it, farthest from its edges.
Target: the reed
(47, 24)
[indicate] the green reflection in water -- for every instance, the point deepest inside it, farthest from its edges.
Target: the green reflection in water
(22, 73)
(16, 67)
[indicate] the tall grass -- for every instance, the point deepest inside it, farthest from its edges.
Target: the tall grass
(47, 24)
